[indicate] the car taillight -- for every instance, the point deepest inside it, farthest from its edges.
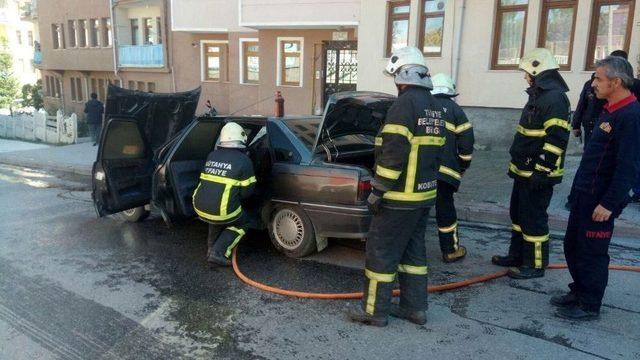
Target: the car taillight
(364, 188)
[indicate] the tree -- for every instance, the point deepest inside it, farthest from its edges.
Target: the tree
(8, 83)
(32, 95)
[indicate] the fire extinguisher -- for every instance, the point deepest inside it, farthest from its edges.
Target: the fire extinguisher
(279, 105)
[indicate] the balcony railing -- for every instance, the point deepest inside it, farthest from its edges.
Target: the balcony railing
(37, 58)
(145, 56)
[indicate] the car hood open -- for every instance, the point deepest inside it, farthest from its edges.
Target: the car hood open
(160, 116)
(353, 112)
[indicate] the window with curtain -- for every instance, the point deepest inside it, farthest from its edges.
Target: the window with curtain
(290, 62)
(250, 62)
(557, 28)
(397, 25)
(611, 25)
(432, 27)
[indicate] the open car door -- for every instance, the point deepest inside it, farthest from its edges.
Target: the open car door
(137, 124)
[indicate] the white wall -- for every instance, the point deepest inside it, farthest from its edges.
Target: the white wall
(287, 13)
(206, 16)
(477, 83)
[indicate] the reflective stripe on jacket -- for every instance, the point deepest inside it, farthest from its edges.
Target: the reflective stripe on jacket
(458, 149)
(408, 150)
(541, 138)
(227, 178)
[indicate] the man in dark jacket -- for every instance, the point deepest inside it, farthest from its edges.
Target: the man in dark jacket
(94, 110)
(537, 160)
(456, 158)
(408, 148)
(608, 170)
(227, 178)
(590, 106)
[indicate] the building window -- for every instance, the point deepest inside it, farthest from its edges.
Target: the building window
(432, 27)
(151, 87)
(159, 27)
(140, 86)
(94, 31)
(57, 32)
(106, 32)
(76, 89)
(509, 32)
(212, 61)
(71, 27)
(47, 85)
(94, 86)
(397, 25)
(290, 55)
(250, 62)
(58, 88)
(73, 89)
(611, 24)
(557, 29)
(102, 87)
(148, 31)
(19, 37)
(82, 33)
(131, 84)
(79, 91)
(135, 29)
(30, 37)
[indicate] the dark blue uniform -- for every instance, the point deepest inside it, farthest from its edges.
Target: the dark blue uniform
(608, 170)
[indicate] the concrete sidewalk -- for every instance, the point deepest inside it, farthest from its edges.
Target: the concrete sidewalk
(484, 195)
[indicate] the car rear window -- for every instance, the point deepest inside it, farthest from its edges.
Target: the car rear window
(305, 129)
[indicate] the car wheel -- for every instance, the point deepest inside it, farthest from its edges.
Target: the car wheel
(291, 232)
(136, 214)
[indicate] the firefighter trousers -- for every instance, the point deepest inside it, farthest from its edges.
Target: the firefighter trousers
(586, 249)
(530, 230)
(222, 238)
(396, 246)
(447, 218)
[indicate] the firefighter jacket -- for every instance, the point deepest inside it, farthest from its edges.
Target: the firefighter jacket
(226, 179)
(542, 135)
(408, 150)
(458, 149)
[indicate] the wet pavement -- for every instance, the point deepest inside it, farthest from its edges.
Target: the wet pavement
(76, 287)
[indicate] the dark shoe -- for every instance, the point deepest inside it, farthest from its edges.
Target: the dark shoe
(525, 272)
(577, 313)
(215, 260)
(362, 317)
(567, 206)
(416, 317)
(566, 300)
(455, 256)
(506, 261)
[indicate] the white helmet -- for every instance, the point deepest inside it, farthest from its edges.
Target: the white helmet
(408, 55)
(407, 67)
(443, 84)
(537, 61)
(232, 135)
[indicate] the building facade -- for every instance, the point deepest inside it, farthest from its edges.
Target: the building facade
(87, 45)
(19, 32)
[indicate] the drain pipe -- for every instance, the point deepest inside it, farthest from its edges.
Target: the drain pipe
(458, 44)
(114, 43)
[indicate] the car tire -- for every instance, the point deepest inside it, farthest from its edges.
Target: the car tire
(136, 214)
(291, 231)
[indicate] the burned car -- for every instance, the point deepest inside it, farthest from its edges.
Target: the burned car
(313, 172)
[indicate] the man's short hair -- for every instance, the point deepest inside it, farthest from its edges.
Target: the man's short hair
(94, 95)
(620, 53)
(617, 67)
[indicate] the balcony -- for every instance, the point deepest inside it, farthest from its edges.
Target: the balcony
(141, 56)
(37, 58)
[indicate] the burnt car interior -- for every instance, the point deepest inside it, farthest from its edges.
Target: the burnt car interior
(350, 139)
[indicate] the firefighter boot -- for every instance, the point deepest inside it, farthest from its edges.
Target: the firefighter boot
(362, 317)
(525, 272)
(505, 261)
(566, 300)
(417, 317)
(457, 255)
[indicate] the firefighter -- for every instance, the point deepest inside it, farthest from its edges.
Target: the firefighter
(227, 178)
(456, 158)
(600, 191)
(408, 148)
(537, 160)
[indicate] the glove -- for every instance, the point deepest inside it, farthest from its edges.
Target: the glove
(539, 180)
(374, 200)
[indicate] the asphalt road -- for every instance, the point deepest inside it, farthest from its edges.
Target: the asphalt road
(76, 287)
